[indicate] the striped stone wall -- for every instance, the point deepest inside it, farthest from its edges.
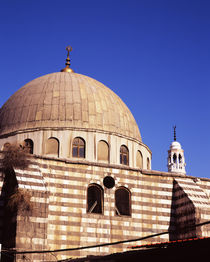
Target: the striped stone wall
(191, 206)
(59, 218)
(70, 224)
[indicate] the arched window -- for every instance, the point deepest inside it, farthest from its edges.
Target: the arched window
(103, 151)
(180, 159)
(139, 159)
(78, 148)
(28, 146)
(95, 198)
(148, 163)
(123, 202)
(52, 146)
(174, 158)
(124, 155)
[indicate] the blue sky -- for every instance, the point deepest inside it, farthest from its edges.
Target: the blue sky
(155, 54)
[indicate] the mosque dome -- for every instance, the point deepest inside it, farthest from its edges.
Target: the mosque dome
(67, 100)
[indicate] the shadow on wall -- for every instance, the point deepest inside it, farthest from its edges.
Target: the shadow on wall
(9, 215)
(183, 215)
(11, 197)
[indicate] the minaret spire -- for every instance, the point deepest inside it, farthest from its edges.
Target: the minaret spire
(67, 68)
(176, 160)
(174, 127)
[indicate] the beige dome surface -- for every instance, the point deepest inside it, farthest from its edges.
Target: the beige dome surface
(67, 100)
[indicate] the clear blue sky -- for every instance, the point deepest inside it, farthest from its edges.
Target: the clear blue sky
(155, 54)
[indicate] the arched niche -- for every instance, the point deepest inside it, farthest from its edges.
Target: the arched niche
(103, 151)
(139, 159)
(52, 146)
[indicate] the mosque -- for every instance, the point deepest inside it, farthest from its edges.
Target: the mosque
(88, 175)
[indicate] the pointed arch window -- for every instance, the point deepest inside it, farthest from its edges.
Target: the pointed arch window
(124, 155)
(78, 148)
(95, 198)
(123, 202)
(28, 146)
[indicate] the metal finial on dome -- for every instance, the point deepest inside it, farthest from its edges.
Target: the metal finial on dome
(174, 127)
(67, 68)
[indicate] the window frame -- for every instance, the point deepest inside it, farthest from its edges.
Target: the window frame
(90, 207)
(128, 207)
(78, 147)
(124, 154)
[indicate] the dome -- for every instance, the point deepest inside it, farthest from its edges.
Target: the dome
(66, 100)
(175, 145)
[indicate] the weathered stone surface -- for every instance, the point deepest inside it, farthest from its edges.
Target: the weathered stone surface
(159, 201)
(61, 98)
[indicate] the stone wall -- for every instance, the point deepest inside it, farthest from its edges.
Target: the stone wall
(60, 220)
(191, 206)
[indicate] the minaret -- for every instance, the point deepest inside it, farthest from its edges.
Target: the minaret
(176, 161)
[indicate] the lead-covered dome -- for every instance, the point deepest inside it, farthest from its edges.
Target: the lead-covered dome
(66, 100)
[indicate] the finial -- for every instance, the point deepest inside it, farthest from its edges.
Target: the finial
(67, 68)
(68, 49)
(174, 127)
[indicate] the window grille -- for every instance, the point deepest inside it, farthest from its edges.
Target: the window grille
(78, 149)
(124, 155)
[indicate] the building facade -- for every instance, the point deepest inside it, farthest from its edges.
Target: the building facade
(88, 174)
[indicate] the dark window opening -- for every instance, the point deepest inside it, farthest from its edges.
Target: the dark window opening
(28, 146)
(124, 155)
(122, 202)
(78, 149)
(174, 158)
(95, 199)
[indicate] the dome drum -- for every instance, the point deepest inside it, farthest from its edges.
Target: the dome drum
(65, 140)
